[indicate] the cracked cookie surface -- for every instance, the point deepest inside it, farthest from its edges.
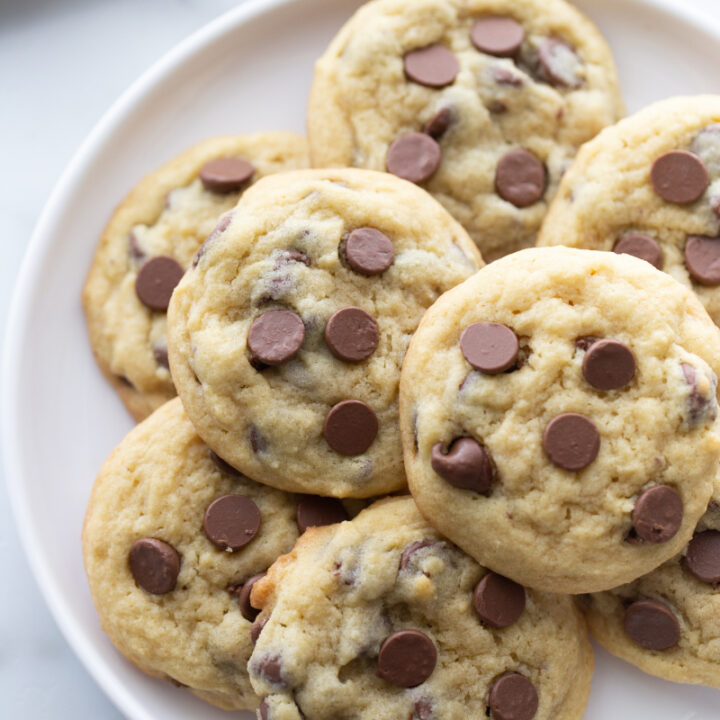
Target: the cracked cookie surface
(484, 102)
(151, 238)
(287, 336)
(382, 618)
(555, 427)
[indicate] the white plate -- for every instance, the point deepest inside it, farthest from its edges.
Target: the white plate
(249, 70)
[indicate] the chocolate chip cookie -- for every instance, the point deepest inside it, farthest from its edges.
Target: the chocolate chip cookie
(559, 417)
(650, 187)
(149, 242)
(482, 102)
(668, 622)
(287, 335)
(381, 618)
(174, 539)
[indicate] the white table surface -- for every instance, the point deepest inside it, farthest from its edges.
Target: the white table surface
(62, 63)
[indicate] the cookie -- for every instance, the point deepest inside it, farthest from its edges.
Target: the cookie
(287, 336)
(667, 623)
(482, 102)
(559, 417)
(173, 540)
(149, 242)
(650, 187)
(381, 618)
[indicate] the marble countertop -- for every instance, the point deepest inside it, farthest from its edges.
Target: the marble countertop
(62, 63)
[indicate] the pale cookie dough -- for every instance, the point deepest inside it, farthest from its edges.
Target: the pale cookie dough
(484, 102)
(168, 215)
(668, 622)
(382, 619)
(287, 336)
(559, 417)
(175, 606)
(608, 200)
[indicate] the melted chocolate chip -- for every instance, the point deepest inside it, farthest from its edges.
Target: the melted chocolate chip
(498, 601)
(161, 356)
(155, 565)
(248, 611)
(703, 557)
(520, 178)
(223, 466)
(702, 259)
(270, 667)
(512, 697)
(423, 710)
(651, 625)
(503, 76)
(411, 549)
(558, 64)
(352, 334)
(701, 405)
(316, 511)
(435, 66)
(231, 521)
(414, 157)
(490, 347)
(467, 465)
(156, 280)
(658, 514)
(258, 443)
(256, 628)
(226, 174)
(367, 251)
(219, 229)
(276, 337)
(571, 441)
(497, 35)
(608, 365)
(439, 123)
(264, 710)
(136, 252)
(679, 177)
(641, 246)
(407, 658)
(350, 427)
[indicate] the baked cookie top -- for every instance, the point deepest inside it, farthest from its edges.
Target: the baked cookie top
(650, 186)
(668, 622)
(559, 417)
(483, 102)
(381, 618)
(173, 540)
(287, 336)
(149, 242)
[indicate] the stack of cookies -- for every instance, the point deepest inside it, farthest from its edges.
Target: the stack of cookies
(335, 340)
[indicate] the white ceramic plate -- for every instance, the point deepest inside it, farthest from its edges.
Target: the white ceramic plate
(249, 70)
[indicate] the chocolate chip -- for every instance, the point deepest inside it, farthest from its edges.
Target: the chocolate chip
(489, 347)
(288, 256)
(136, 252)
(503, 76)
(161, 356)
(350, 427)
(439, 123)
(651, 625)
(256, 628)
(703, 557)
(156, 281)
(226, 174)
(423, 710)
(407, 658)
(434, 66)
(520, 178)
(218, 230)
(512, 697)
(270, 668)
(499, 602)
(414, 157)
(702, 258)
(276, 336)
(497, 35)
(679, 177)
(411, 549)
(352, 334)
(571, 441)
(231, 521)
(559, 64)
(367, 251)
(223, 466)
(316, 511)
(584, 343)
(264, 710)
(467, 465)
(641, 246)
(248, 611)
(658, 514)
(155, 565)
(258, 443)
(608, 365)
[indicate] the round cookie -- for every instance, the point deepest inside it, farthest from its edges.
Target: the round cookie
(483, 102)
(287, 336)
(557, 430)
(172, 538)
(150, 240)
(667, 623)
(381, 618)
(650, 187)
